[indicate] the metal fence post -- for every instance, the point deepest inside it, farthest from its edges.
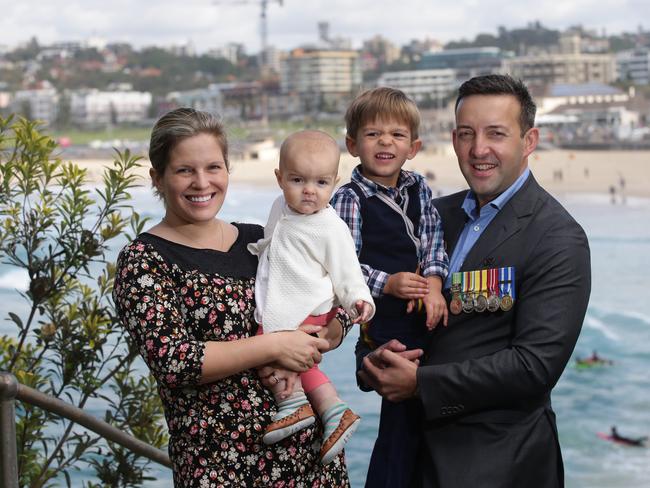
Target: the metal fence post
(8, 453)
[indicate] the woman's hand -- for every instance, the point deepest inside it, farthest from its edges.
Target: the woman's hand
(297, 350)
(280, 381)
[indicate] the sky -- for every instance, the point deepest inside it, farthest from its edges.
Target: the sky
(213, 23)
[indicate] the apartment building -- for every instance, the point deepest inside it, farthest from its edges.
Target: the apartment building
(428, 87)
(91, 107)
(323, 78)
(37, 104)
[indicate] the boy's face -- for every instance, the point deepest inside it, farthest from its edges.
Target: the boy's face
(307, 179)
(383, 146)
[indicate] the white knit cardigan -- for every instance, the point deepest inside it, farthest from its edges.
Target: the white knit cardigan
(307, 265)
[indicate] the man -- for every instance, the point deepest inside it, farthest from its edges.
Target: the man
(484, 382)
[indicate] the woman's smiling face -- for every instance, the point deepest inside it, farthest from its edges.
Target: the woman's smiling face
(195, 181)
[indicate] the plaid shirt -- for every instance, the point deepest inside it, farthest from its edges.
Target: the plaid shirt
(431, 254)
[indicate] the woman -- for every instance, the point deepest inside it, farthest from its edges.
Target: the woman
(184, 290)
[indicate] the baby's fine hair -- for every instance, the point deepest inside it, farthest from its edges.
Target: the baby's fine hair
(382, 103)
(309, 140)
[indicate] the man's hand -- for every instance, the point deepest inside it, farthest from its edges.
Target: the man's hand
(383, 368)
(390, 374)
(406, 285)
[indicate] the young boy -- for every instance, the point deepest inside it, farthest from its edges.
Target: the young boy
(398, 238)
(307, 266)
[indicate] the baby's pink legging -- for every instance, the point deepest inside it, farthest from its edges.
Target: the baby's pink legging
(313, 377)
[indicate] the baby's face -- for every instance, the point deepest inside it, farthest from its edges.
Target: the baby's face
(307, 179)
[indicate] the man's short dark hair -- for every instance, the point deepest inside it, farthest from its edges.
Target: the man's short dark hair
(502, 85)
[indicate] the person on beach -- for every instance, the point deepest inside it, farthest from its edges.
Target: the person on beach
(308, 266)
(398, 237)
(484, 382)
(184, 290)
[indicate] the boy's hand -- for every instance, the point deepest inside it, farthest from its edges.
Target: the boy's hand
(406, 285)
(364, 309)
(435, 303)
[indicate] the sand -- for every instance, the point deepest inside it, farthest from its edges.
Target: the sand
(560, 172)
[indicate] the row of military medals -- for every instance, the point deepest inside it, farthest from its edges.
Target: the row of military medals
(483, 289)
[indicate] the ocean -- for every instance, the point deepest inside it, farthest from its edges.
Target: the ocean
(586, 401)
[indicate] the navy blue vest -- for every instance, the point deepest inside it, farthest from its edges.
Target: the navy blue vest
(386, 246)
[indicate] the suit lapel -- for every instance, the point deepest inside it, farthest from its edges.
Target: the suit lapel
(507, 223)
(456, 222)
(453, 218)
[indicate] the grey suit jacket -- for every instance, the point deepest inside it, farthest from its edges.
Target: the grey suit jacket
(485, 380)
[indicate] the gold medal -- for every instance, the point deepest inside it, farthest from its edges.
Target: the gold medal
(507, 287)
(506, 303)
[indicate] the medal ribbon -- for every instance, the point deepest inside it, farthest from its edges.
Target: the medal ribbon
(472, 282)
(493, 277)
(456, 279)
(466, 283)
(476, 278)
(483, 289)
(507, 281)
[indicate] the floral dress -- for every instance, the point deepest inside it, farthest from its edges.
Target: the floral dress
(172, 299)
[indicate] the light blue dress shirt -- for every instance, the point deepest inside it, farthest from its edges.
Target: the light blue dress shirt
(479, 219)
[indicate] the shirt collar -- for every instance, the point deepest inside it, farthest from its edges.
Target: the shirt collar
(470, 205)
(370, 188)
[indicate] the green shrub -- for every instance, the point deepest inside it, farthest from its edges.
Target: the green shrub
(69, 343)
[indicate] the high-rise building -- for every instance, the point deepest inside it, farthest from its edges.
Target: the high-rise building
(323, 78)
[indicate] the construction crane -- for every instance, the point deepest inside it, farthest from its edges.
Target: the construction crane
(263, 27)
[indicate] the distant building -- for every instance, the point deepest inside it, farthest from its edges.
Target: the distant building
(578, 58)
(381, 50)
(428, 87)
(598, 113)
(467, 62)
(324, 79)
(94, 108)
(208, 99)
(272, 60)
(416, 49)
(186, 49)
(37, 104)
(634, 66)
(232, 52)
(574, 68)
(585, 94)
(231, 101)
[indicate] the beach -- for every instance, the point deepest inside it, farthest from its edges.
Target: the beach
(627, 173)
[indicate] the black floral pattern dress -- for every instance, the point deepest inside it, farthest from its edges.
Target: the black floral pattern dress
(172, 299)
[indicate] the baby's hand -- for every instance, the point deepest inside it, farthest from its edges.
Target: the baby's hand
(364, 310)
